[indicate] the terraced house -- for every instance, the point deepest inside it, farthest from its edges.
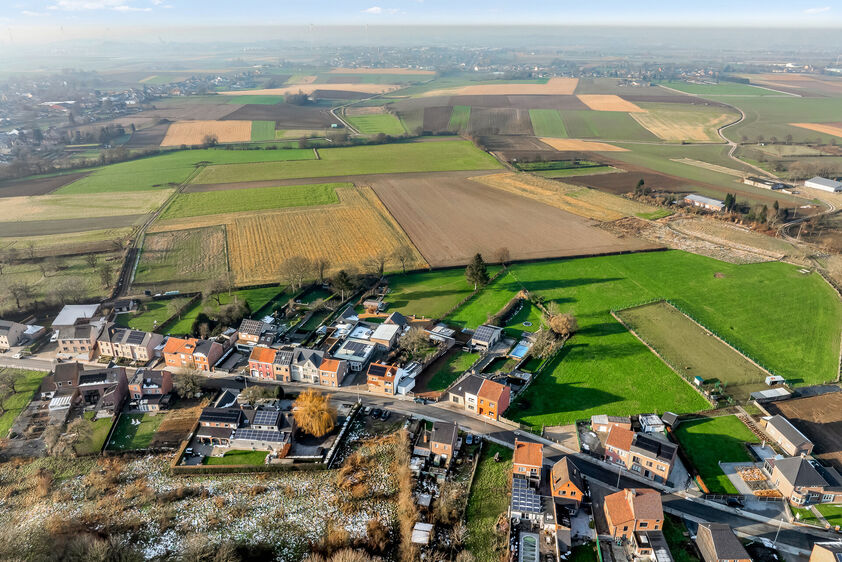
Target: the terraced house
(192, 353)
(149, 390)
(632, 510)
(79, 341)
(481, 396)
(125, 343)
(262, 361)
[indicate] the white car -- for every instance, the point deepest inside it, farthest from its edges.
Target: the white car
(17, 355)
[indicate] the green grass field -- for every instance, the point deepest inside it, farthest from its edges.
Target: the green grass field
(93, 446)
(129, 437)
(720, 89)
(238, 457)
(380, 159)
(451, 370)
(255, 199)
(707, 442)
(691, 350)
(489, 498)
(182, 259)
(769, 116)
(833, 513)
(606, 125)
(547, 123)
(262, 130)
(145, 319)
(26, 383)
(377, 123)
(570, 172)
(256, 298)
(459, 117)
(428, 294)
(682, 548)
(489, 301)
(528, 313)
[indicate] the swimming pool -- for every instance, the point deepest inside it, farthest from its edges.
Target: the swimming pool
(519, 351)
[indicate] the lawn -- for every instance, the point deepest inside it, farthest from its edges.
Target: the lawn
(128, 436)
(430, 294)
(451, 370)
(101, 428)
(805, 515)
(459, 117)
(256, 299)
(833, 513)
(547, 123)
(315, 320)
(26, 383)
(489, 498)
(356, 160)
(377, 123)
(528, 313)
(708, 441)
(681, 547)
(151, 315)
(691, 351)
(238, 457)
(256, 199)
(262, 130)
(487, 302)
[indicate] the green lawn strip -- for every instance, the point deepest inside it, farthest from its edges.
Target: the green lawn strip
(315, 320)
(256, 299)
(440, 156)
(489, 301)
(459, 117)
(101, 428)
(710, 441)
(805, 515)
(681, 547)
(262, 130)
(128, 436)
(238, 457)
(607, 125)
(377, 123)
(430, 293)
(831, 512)
(254, 199)
(26, 383)
(583, 553)
(528, 313)
(655, 215)
(547, 123)
(489, 498)
(451, 370)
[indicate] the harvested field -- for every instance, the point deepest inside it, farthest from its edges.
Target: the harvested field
(436, 119)
(194, 132)
(521, 147)
(310, 88)
(709, 166)
(382, 71)
(547, 102)
(80, 206)
(37, 186)
(584, 202)
(801, 84)
(834, 129)
(484, 120)
(182, 256)
(84, 242)
(481, 101)
(176, 426)
(609, 102)
(676, 124)
(447, 218)
(356, 229)
(565, 145)
(64, 226)
(149, 136)
(553, 87)
(819, 418)
(287, 116)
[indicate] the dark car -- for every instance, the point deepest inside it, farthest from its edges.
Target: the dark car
(734, 502)
(375, 413)
(420, 401)
(385, 415)
(240, 378)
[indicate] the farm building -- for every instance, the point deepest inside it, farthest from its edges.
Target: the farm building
(766, 183)
(824, 184)
(788, 438)
(707, 203)
(770, 395)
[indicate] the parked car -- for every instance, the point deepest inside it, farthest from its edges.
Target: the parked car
(375, 413)
(469, 439)
(240, 378)
(420, 401)
(367, 410)
(385, 415)
(734, 502)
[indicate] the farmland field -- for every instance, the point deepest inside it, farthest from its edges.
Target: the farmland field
(256, 199)
(575, 145)
(262, 130)
(770, 116)
(720, 89)
(691, 350)
(554, 86)
(547, 123)
(80, 206)
(818, 418)
(673, 122)
(609, 102)
(177, 258)
(195, 132)
(459, 117)
(712, 440)
(834, 129)
(604, 125)
(377, 123)
(309, 88)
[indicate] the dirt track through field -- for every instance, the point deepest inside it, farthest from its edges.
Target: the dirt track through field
(449, 219)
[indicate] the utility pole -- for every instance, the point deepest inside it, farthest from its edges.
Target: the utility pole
(775, 542)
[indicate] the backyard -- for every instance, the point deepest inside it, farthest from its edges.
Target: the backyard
(25, 385)
(257, 299)
(431, 293)
(488, 500)
(238, 457)
(134, 431)
(454, 366)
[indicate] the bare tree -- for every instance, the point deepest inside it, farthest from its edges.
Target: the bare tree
(106, 274)
(502, 256)
(91, 260)
(414, 341)
(376, 264)
(404, 256)
(188, 383)
(214, 289)
(321, 265)
(30, 250)
(295, 271)
(21, 291)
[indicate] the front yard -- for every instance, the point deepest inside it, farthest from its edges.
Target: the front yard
(831, 512)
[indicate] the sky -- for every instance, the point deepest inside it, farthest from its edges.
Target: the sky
(21, 14)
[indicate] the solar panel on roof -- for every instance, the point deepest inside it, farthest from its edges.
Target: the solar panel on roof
(265, 417)
(264, 435)
(135, 338)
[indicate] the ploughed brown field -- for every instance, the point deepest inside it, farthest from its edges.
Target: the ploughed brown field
(508, 121)
(40, 186)
(287, 116)
(819, 418)
(449, 218)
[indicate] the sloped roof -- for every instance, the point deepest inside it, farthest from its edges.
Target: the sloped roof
(261, 354)
(469, 385)
(789, 431)
(799, 472)
(396, 318)
(180, 345)
(491, 390)
(330, 365)
(633, 504)
(726, 545)
(620, 438)
(566, 470)
(382, 370)
(528, 454)
(486, 333)
(444, 432)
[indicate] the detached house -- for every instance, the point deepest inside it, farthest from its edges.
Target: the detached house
(804, 481)
(566, 482)
(149, 390)
(382, 378)
(632, 510)
(438, 442)
(125, 343)
(528, 459)
(481, 396)
(192, 353)
(718, 543)
(645, 454)
(788, 438)
(10, 334)
(486, 336)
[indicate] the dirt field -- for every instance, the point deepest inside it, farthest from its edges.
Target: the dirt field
(712, 167)
(357, 111)
(310, 88)
(565, 145)
(553, 87)
(834, 129)
(450, 219)
(802, 84)
(182, 109)
(436, 119)
(40, 186)
(819, 418)
(506, 121)
(682, 126)
(287, 116)
(609, 102)
(150, 136)
(382, 71)
(176, 426)
(548, 102)
(194, 132)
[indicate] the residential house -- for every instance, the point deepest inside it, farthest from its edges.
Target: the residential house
(651, 545)
(262, 362)
(192, 353)
(10, 334)
(282, 364)
(217, 425)
(803, 481)
(149, 390)
(528, 459)
(374, 305)
(398, 319)
(125, 343)
(788, 438)
(649, 456)
(718, 543)
(305, 365)
(386, 335)
(332, 372)
(73, 314)
(486, 337)
(828, 551)
(357, 352)
(566, 481)
(632, 510)
(603, 423)
(256, 429)
(437, 441)
(103, 390)
(79, 341)
(618, 444)
(121, 306)
(382, 378)
(481, 396)
(252, 333)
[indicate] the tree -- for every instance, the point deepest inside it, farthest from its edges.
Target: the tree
(376, 264)
(564, 325)
(476, 272)
(313, 413)
(255, 392)
(106, 274)
(30, 250)
(404, 256)
(188, 383)
(21, 291)
(214, 289)
(342, 283)
(210, 140)
(639, 189)
(295, 271)
(414, 341)
(545, 344)
(90, 259)
(320, 266)
(502, 255)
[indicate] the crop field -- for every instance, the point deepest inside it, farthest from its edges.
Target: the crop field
(575, 145)
(834, 129)
(429, 294)
(691, 350)
(363, 71)
(712, 167)
(712, 440)
(195, 132)
(312, 87)
(770, 116)
(262, 130)
(37, 185)
(459, 117)
(377, 123)
(507, 121)
(446, 217)
(255, 199)
(178, 258)
(817, 417)
(80, 206)
(673, 122)
(605, 125)
(381, 159)
(609, 102)
(570, 172)
(720, 89)
(800, 84)
(284, 115)
(547, 123)
(554, 87)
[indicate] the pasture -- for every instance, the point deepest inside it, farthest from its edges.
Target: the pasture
(547, 123)
(196, 132)
(254, 199)
(709, 441)
(262, 130)
(385, 123)
(692, 351)
(182, 258)
(674, 122)
(429, 294)
(489, 301)
(770, 116)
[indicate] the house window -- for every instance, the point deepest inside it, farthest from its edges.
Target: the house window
(644, 524)
(636, 460)
(827, 498)
(649, 463)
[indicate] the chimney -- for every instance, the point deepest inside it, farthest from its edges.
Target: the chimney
(426, 436)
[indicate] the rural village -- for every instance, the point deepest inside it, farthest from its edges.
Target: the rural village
(422, 304)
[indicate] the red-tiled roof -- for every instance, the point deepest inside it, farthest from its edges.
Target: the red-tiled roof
(633, 505)
(179, 345)
(263, 354)
(330, 365)
(528, 454)
(620, 438)
(491, 390)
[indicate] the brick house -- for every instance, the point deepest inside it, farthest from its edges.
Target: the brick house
(788, 438)
(718, 543)
(192, 353)
(437, 441)
(528, 459)
(149, 389)
(251, 333)
(829, 551)
(804, 481)
(332, 371)
(261, 362)
(10, 334)
(128, 344)
(632, 510)
(103, 390)
(645, 454)
(481, 396)
(282, 364)
(386, 335)
(566, 481)
(79, 341)
(382, 378)
(217, 425)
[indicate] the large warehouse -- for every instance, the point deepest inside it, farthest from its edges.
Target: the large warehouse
(824, 184)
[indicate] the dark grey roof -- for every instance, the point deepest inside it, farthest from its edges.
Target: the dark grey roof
(221, 415)
(218, 432)
(284, 356)
(251, 327)
(264, 435)
(203, 347)
(790, 433)
(657, 542)
(486, 333)
(564, 470)
(669, 418)
(304, 355)
(726, 545)
(653, 447)
(799, 472)
(78, 332)
(524, 497)
(6, 325)
(396, 318)
(100, 376)
(444, 432)
(469, 385)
